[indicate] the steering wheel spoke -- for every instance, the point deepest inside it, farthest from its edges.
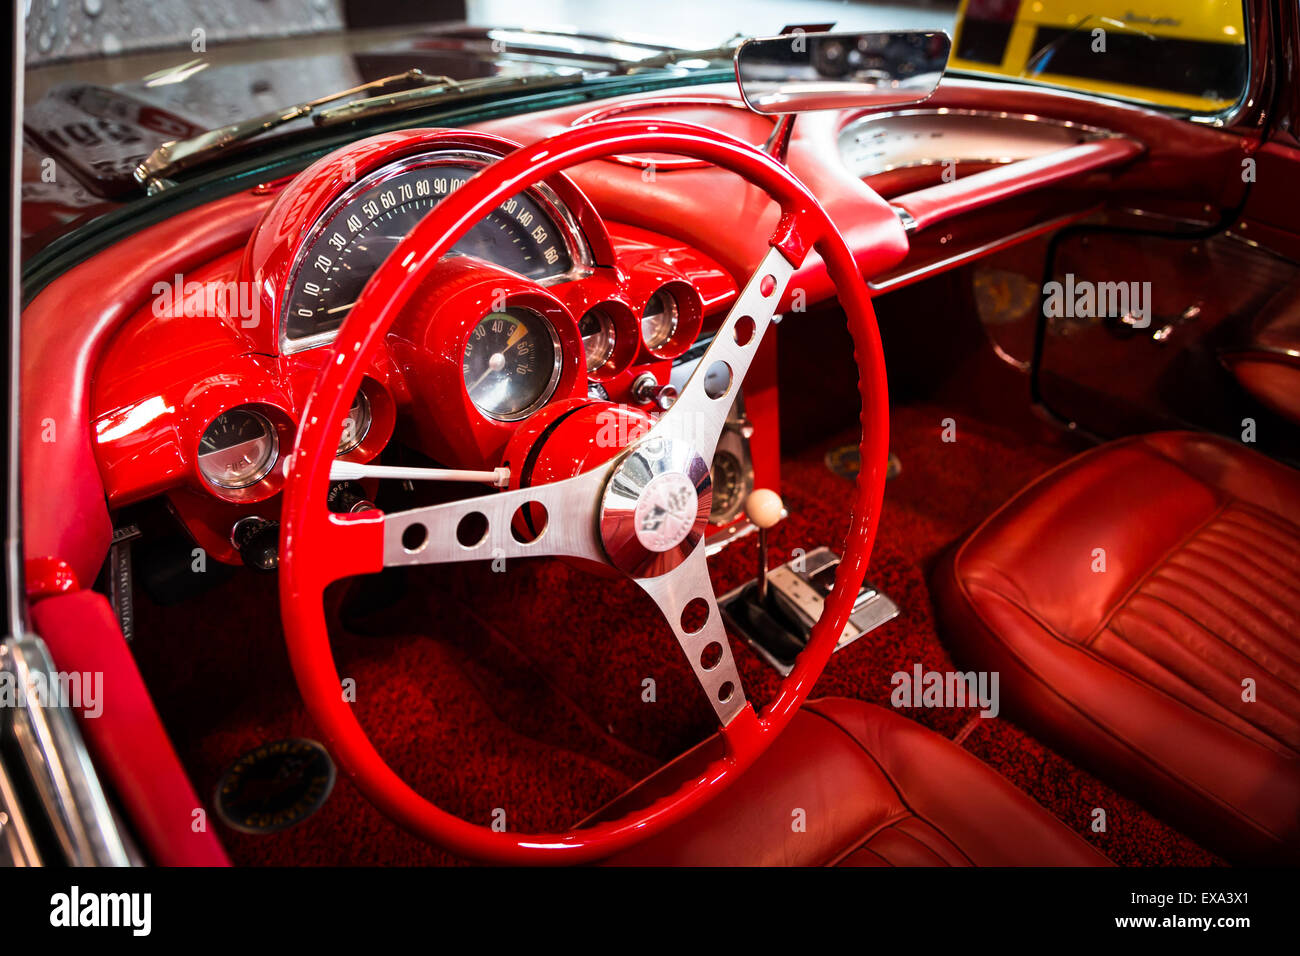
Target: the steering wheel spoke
(551, 520)
(685, 597)
(700, 412)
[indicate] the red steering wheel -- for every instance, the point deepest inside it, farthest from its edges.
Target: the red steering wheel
(590, 516)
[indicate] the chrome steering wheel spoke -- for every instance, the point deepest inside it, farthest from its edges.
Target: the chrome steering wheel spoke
(552, 520)
(684, 596)
(697, 418)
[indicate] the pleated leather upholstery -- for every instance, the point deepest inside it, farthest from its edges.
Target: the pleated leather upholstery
(1142, 604)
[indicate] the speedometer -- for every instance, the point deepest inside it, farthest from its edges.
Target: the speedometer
(530, 234)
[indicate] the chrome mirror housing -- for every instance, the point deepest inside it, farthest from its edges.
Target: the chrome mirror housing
(799, 71)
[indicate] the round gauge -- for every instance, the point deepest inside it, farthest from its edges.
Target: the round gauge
(597, 329)
(527, 234)
(356, 424)
(659, 320)
(728, 487)
(511, 363)
(237, 449)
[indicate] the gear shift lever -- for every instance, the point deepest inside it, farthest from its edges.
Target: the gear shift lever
(776, 612)
(763, 507)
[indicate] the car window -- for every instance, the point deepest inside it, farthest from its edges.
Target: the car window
(1187, 55)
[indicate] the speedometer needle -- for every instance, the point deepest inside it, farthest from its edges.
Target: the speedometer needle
(340, 308)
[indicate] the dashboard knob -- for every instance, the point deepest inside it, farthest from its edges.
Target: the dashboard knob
(644, 387)
(258, 542)
(347, 497)
(666, 396)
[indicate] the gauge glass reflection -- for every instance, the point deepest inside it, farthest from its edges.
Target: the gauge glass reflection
(659, 319)
(356, 425)
(597, 330)
(237, 449)
(511, 363)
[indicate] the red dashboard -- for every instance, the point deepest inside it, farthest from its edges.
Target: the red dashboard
(204, 383)
(182, 322)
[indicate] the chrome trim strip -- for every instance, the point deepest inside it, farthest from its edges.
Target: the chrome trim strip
(60, 768)
(992, 245)
(15, 587)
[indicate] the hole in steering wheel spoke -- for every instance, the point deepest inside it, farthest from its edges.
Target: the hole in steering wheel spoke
(529, 522)
(414, 537)
(695, 615)
(744, 330)
(472, 529)
(717, 380)
(711, 656)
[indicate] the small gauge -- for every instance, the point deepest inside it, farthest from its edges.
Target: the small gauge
(511, 363)
(356, 425)
(597, 329)
(728, 487)
(659, 320)
(237, 449)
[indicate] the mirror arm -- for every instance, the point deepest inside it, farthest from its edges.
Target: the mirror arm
(778, 143)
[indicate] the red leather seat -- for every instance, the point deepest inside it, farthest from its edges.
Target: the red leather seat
(1139, 667)
(871, 788)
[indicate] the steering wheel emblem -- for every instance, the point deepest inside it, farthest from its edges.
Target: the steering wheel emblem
(655, 506)
(665, 512)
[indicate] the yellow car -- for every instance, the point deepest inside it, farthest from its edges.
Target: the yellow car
(1186, 54)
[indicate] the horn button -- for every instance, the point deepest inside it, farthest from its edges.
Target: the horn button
(655, 507)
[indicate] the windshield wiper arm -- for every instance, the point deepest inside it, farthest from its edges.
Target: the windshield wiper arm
(445, 89)
(176, 155)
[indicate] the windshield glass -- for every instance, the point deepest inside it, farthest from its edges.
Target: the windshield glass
(110, 81)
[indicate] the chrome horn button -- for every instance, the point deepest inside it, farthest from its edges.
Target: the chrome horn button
(655, 507)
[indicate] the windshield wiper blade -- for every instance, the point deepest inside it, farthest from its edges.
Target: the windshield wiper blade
(174, 156)
(725, 51)
(446, 89)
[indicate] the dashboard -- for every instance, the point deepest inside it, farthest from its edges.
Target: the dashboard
(153, 373)
(542, 303)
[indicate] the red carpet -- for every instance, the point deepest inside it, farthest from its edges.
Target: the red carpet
(499, 691)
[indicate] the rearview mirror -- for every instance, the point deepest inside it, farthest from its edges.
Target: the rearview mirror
(822, 71)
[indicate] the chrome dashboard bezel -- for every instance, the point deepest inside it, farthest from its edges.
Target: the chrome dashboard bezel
(574, 241)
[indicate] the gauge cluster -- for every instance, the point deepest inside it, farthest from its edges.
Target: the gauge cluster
(542, 302)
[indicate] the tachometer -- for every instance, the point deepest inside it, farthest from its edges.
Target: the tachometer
(511, 363)
(530, 234)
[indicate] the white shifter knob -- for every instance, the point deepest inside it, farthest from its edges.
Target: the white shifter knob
(764, 508)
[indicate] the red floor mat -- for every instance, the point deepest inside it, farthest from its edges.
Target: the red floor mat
(524, 690)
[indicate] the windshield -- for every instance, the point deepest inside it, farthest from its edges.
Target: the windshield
(108, 83)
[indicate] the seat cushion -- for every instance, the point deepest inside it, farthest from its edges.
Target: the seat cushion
(1141, 603)
(853, 784)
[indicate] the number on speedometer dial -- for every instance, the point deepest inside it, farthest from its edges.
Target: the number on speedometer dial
(511, 363)
(368, 222)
